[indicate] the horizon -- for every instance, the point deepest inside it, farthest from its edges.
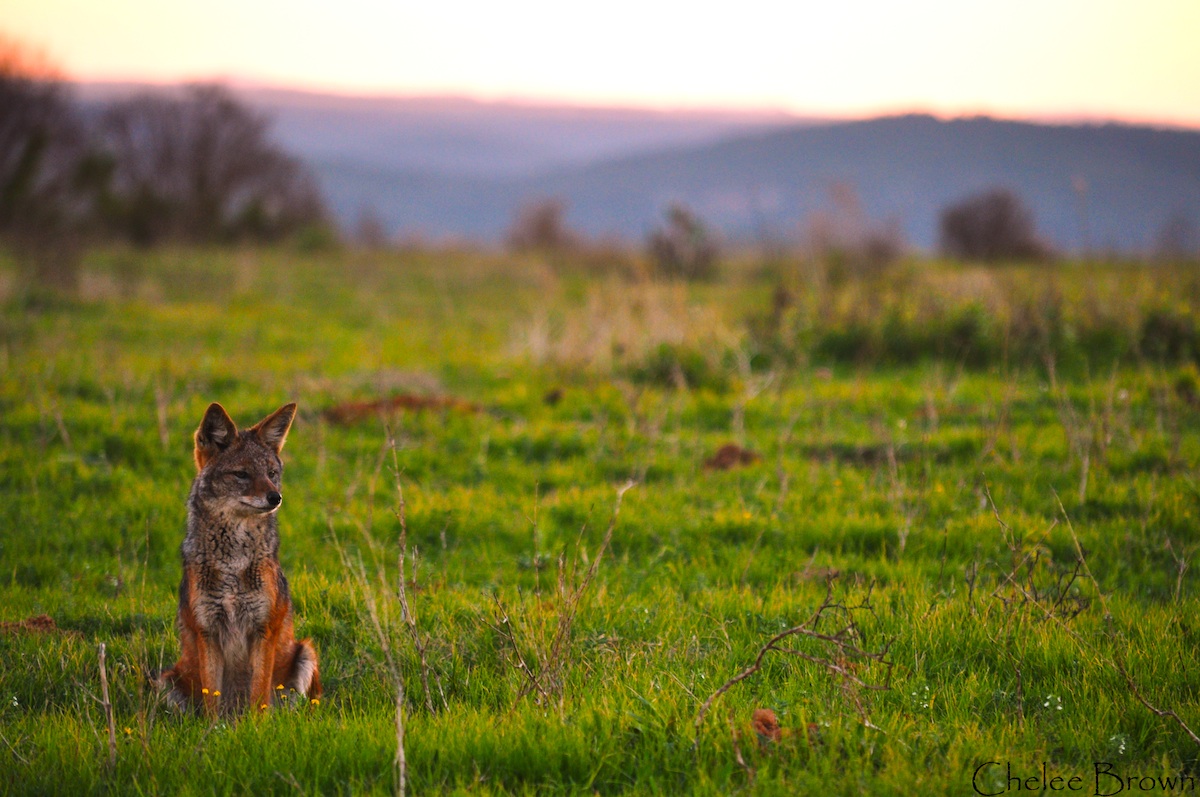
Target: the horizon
(1063, 59)
(1064, 118)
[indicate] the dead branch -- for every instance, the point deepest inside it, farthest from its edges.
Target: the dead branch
(1051, 599)
(108, 709)
(505, 629)
(1118, 661)
(399, 764)
(737, 750)
(843, 641)
(1137, 693)
(420, 644)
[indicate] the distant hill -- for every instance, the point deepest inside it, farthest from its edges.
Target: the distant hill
(904, 169)
(446, 167)
(907, 168)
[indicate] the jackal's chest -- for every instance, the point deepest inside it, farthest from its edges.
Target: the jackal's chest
(234, 601)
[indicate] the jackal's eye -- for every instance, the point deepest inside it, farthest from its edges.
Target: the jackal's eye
(273, 474)
(241, 474)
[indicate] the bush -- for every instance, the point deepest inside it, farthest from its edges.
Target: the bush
(683, 248)
(969, 335)
(991, 226)
(682, 367)
(1168, 334)
(853, 342)
(540, 226)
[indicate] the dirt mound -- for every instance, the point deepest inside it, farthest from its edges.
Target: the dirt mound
(38, 624)
(731, 456)
(355, 411)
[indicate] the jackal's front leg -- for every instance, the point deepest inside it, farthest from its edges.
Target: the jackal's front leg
(212, 672)
(262, 662)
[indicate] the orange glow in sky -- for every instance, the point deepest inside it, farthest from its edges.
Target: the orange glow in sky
(1044, 58)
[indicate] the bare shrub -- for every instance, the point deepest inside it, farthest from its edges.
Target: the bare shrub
(1034, 582)
(370, 231)
(991, 226)
(847, 241)
(540, 226)
(683, 247)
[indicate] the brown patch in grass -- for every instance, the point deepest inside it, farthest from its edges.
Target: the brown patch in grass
(766, 725)
(862, 454)
(355, 411)
(820, 574)
(37, 624)
(731, 456)
(768, 729)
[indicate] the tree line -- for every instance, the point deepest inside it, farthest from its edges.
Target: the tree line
(192, 165)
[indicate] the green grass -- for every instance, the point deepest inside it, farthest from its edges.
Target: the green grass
(878, 469)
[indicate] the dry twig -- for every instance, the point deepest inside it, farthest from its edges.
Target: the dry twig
(841, 643)
(1118, 660)
(108, 709)
(1050, 598)
(737, 751)
(420, 643)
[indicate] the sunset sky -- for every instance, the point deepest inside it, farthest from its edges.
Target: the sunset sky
(1042, 58)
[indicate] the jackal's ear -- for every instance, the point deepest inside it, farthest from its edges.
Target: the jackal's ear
(217, 431)
(273, 429)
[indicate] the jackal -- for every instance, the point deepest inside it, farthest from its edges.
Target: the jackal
(235, 613)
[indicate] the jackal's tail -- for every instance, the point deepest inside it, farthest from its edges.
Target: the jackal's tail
(303, 674)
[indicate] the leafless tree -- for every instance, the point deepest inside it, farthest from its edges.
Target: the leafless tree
(991, 226)
(201, 167)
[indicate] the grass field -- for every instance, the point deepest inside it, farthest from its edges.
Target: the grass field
(914, 510)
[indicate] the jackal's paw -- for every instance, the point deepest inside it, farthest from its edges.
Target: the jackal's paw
(164, 682)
